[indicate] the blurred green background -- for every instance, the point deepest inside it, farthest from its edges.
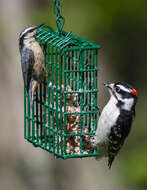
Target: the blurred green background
(120, 27)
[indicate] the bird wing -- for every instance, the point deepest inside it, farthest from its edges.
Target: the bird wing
(27, 62)
(118, 134)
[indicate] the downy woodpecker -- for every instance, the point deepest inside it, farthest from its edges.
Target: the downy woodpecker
(115, 121)
(32, 60)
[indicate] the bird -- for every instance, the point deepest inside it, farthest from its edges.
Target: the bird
(32, 60)
(115, 121)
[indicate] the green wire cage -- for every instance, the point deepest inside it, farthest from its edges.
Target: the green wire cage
(65, 111)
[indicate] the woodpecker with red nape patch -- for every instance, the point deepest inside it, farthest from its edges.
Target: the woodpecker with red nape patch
(115, 122)
(32, 60)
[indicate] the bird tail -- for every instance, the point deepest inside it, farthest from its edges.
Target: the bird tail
(32, 89)
(31, 94)
(110, 161)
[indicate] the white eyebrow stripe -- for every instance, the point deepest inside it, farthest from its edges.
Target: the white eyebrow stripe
(25, 31)
(123, 88)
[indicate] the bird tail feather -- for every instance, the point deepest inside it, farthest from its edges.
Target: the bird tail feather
(110, 161)
(31, 94)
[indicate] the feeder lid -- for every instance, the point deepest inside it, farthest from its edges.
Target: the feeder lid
(64, 39)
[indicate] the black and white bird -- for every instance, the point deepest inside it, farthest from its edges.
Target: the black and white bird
(32, 60)
(115, 122)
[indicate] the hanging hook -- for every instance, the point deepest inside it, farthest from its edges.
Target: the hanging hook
(58, 12)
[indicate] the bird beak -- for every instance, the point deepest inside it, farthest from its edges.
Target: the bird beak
(110, 87)
(40, 25)
(37, 27)
(107, 84)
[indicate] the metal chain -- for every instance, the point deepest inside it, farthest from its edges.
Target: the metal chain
(58, 12)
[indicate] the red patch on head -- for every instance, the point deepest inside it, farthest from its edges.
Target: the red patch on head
(134, 92)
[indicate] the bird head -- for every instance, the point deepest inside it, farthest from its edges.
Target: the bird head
(124, 94)
(28, 34)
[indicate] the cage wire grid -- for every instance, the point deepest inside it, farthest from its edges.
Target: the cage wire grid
(65, 111)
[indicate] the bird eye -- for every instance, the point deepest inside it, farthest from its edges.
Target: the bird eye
(117, 89)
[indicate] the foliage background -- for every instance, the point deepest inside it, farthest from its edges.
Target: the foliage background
(120, 27)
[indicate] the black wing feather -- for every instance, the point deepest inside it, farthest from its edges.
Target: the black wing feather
(119, 133)
(27, 62)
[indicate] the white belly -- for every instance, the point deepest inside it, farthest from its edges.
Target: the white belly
(107, 119)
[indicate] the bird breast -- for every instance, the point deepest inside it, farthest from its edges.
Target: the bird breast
(39, 60)
(107, 119)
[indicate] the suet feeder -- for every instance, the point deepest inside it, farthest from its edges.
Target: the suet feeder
(65, 111)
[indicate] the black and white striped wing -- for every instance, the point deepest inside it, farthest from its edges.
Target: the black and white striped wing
(118, 134)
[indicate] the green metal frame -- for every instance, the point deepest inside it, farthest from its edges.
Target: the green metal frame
(73, 62)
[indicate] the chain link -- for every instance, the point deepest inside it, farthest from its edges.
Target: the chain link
(58, 12)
